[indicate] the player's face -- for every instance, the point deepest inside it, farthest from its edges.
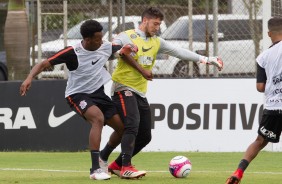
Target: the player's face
(95, 41)
(152, 26)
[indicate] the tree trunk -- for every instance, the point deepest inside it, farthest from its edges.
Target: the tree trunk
(16, 41)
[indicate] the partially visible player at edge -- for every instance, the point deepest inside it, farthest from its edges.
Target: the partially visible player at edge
(129, 89)
(85, 86)
(269, 81)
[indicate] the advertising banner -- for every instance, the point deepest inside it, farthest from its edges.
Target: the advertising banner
(203, 114)
(41, 120)
(214, 115)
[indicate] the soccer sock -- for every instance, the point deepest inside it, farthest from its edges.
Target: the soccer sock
(119, 160)
(241, 168)
(126, 160)
(95, 159)
(123, 160)
(105, 153)
(127, 146)
(243, 164)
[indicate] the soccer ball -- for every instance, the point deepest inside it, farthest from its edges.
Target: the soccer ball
(180, 166)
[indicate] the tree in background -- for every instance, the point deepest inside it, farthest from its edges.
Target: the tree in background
(16, 40)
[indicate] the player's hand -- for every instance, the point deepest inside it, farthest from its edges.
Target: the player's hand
(25, 87)
(216, 61)
(128, 49)
(147, 74)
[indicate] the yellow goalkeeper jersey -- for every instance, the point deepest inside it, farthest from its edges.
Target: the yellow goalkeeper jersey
(146, 56)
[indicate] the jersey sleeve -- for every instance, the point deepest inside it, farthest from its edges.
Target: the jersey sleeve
(177, 51)
(260, 60)
(115, 48)
(66, 56)
(261, 75)
(121, 39)
(61, 56)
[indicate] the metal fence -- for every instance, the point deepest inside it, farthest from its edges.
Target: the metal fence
(231, 29)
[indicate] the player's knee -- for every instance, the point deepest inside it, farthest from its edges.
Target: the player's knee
(96, 122)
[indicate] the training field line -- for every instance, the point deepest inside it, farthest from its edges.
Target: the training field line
(76, 171)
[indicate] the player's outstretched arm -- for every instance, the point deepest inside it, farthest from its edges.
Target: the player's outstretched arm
(38, 68)
(187, 55)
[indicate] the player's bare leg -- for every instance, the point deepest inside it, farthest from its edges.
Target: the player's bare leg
(95, 117)
(251, 152)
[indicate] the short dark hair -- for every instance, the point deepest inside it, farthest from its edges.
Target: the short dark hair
(275, 24)
(89, 27)
(153, 12)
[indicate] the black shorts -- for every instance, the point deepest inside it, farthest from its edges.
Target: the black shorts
(270, 126)
(80, 102)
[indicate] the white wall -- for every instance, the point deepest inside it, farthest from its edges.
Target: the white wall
(232, 94)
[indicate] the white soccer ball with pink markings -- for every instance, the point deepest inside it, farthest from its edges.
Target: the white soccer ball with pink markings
(180, 166)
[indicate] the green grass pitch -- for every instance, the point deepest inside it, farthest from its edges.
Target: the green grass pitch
(73, 168)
